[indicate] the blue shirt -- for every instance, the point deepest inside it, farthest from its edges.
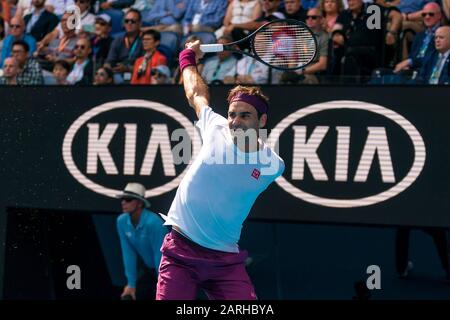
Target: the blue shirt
(308, 4)
(144, 240)
(409, 6)
(212, 15)
(8, 43)
(158, 13)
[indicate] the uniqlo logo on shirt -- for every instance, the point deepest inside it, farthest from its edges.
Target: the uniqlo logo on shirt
(256, 174)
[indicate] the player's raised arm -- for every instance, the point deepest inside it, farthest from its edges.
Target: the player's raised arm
(196, 90)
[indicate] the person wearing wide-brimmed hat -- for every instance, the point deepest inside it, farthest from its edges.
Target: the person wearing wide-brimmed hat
(141, 234)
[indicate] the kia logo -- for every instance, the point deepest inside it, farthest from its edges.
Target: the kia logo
(376, 147)
(98, 144)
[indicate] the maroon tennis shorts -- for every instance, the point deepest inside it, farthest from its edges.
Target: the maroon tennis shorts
(187, 267)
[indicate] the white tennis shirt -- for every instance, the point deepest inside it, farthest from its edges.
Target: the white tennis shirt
(215, 196)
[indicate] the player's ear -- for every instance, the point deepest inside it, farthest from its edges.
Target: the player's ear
(263, 120)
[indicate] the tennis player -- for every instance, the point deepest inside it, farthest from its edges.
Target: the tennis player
(216, 195)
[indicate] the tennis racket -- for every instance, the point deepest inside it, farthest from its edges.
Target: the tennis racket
(284, 44)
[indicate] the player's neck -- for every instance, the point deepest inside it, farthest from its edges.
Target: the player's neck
(248, 147)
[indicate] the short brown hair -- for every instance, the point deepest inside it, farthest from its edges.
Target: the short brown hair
(340, 6)
(253, 91)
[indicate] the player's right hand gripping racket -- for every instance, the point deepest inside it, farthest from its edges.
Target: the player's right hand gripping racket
(284, 44)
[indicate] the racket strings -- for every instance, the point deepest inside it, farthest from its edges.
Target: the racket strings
(285, 46)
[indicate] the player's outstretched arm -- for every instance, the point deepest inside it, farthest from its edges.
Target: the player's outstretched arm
(196, 90)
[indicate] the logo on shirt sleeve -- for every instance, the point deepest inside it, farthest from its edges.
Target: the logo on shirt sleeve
(256, 173)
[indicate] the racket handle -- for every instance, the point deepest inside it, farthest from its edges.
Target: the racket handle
(206, 48)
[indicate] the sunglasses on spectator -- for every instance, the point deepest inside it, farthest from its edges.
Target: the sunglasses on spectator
(14, 26)
(312, 17)
(102, 23)
(431, 14)
(268, 0)
(82, 47)
(132, 21)
(100, 74)
(81, 1)
(128, 199)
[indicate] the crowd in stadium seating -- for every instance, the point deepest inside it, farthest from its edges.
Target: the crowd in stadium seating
(138, 41)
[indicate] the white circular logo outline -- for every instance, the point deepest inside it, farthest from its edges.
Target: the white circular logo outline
(411, 176)
(119, 104)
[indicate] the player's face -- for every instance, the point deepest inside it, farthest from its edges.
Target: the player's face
(130, 205)
(244, 116)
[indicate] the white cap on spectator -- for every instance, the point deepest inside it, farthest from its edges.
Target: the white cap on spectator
(163, 70)
(279, 15)
(104, 17)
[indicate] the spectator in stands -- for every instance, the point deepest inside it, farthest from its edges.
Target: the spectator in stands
(17, 29)
(412, 20)
(293, 10)
(251, 71)
(87, 18)
(40, 22)
(240, 30)
(10, 72)
(152, 58)
(61, 70)
(58, 7)
(104, 76)
(359, 45)
(204, 15)
(412, 13)
(86, 27)
(23, 8)
(165, 15)
(331, 10)
(87, 21)
(423, 44)
(314, 20)
(101, 42)
(161, 75)
(127, 48)
(220, 68)
(144, 6)
(31, 72)
(240, 11)
(60, 48)
(436, 68)
(83, 68)
(141, 233)
(114, 8)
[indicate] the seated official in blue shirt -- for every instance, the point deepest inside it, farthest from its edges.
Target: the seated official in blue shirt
(423, 44)
(141, 234)
(436, 69)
